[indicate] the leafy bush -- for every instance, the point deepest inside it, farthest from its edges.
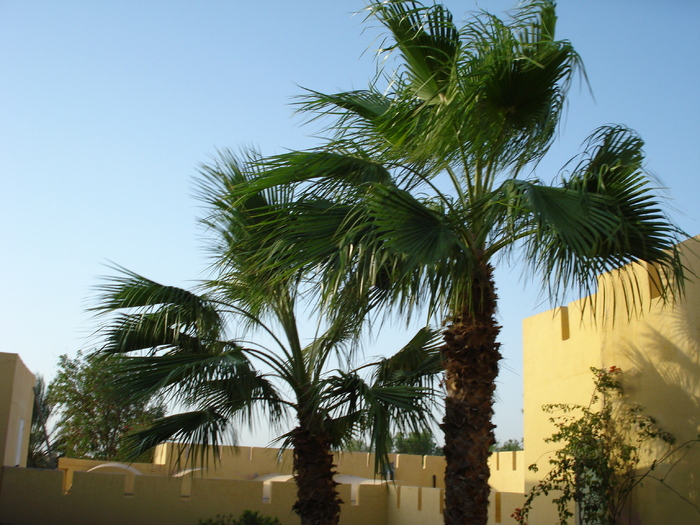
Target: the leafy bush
(247, 518)
(597, 467)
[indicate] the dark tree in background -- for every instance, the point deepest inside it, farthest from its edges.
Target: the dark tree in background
(93, 420)
(417, 443)
(509, 445)
(421, 443)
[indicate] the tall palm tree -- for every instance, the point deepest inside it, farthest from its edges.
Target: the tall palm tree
(177, 345)
(421, 186)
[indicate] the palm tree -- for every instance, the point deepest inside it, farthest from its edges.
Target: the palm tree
(41, 454)
(420, 188)
(177, 345)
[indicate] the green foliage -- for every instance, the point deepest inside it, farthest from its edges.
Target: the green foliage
(417, 443)
(173, 342)
(509, 445)
(247, 518)
(597, 466)
(93, 419)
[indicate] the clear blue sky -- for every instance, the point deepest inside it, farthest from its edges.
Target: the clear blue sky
(107, 109)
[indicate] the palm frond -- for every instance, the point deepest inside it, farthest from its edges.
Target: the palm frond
(164, 310)
(242, 227)
(516, 76)
(337, 167)
(417, 364)
(340, 339)
(150, 332)
(350, 108)
(197, 433)
(377, 408)
(603, 217)
(416, 229)
(427, 40)
(141, 377)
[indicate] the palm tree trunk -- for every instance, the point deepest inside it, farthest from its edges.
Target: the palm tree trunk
(471, 355)
(317, 500)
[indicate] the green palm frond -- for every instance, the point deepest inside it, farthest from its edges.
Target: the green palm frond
(428, 42)
(516, 76)
(198, 433)
(417, 364)
(355, 115)
(131, 290)
(601, 218)
(376, 408)
(340, 339)
(345, 168)
(612, 179)
(141, 377)
(151, 332)
(239, 227)
(177, 308)
(411, 227)
(236, 218)
(490, 93)
(400, 395)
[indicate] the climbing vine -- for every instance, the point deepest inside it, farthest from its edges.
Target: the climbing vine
(597, 466)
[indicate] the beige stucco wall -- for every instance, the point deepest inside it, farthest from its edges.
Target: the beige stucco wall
(16, 404)
(108, 498)
(249, 463)
(148, 499)
(507, 468)
(659, 353)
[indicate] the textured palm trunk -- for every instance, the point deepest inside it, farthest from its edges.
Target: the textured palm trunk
(317, 500)
(471, 355)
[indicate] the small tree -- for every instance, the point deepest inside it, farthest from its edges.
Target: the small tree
(509, 445)
(597, 467)
(175, 342)
(93, 420)
(418, 443)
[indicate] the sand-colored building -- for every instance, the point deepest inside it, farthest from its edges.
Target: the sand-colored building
(16, 404)
(658, 351)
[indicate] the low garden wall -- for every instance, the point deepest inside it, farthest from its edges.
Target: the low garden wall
(33, 497)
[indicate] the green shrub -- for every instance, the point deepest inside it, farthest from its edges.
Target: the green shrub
(598, 465)
(247, 518)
